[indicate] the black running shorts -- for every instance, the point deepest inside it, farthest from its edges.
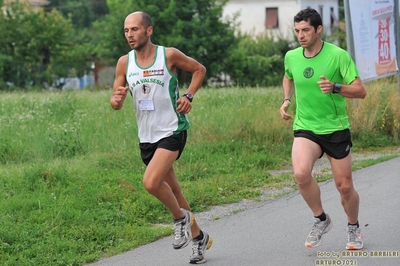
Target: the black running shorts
(336, 145)
(171, 143)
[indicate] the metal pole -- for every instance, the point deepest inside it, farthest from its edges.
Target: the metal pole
(397, 37)
(349, 30)
(349, 34)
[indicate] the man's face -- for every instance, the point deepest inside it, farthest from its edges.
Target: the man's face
(306, 34)
(135, 33)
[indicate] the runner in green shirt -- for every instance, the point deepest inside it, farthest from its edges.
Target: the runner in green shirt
(322, 75)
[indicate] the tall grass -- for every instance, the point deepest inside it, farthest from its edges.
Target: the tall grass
(71, 176)
(375, 120)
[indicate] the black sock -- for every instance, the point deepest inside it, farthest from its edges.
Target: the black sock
(199, 237)
(358, 225)
(322, 217)
(178, 220)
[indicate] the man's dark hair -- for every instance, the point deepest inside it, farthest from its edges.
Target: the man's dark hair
(146, 20)
(310, 15)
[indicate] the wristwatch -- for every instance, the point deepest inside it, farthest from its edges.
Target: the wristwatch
(189, 96)
(336, 88)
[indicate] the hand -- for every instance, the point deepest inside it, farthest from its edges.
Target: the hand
(325, 84)
(118, 97)
(283, 109)
(184, 105)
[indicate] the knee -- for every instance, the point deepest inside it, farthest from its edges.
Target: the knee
(151, 186)
(345, 188)
(303, 178)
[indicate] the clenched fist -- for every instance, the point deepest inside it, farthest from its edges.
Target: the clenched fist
(118, 97)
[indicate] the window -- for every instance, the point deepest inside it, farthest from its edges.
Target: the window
(271, 17)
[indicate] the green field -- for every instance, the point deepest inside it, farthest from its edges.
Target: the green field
(71, 175)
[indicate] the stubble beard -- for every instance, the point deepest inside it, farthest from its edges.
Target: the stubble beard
(141, 44)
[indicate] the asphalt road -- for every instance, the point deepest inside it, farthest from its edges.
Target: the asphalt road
(273, 232)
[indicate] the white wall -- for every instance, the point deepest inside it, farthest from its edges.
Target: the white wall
(326, 11)
(252, 14)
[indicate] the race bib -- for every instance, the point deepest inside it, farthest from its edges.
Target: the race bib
(146, 105)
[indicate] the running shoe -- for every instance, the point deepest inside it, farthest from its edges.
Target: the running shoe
(354, 238)
(182, 230)
(199, 248)
(314, 238)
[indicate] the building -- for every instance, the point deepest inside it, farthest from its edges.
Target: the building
(35, 4)
(276, 16)
(31, 2)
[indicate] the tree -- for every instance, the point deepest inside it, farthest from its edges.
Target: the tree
(36, 47)
(193, 26)
(258, 60)
(82, 13)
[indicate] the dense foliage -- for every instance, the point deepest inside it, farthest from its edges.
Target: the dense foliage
(193, 26)
(68, 37)
(258, 60)
(36, 47)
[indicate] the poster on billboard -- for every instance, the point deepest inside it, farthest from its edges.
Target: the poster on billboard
(373, 27)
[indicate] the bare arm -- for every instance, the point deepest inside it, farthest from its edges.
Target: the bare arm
(176, 59)
(288, 89)
(120, 89)
(355, 89)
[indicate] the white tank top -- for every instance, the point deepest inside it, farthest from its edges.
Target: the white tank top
(155, 91)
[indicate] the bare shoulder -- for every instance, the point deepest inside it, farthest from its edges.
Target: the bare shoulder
(121, 65)
(173, 53)
(175, 59)
(122, 60)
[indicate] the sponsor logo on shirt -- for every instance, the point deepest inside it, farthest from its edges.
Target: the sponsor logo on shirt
(133, 74)
(156, 72)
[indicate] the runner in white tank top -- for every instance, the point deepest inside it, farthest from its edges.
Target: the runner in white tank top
(150, 72)
(155, 93)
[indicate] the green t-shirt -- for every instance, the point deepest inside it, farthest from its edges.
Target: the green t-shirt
(316, 111)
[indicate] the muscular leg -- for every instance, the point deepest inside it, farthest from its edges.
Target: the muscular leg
(304, 154)
(160, 181)
(172, 181)
(342, 174)
(155, 183)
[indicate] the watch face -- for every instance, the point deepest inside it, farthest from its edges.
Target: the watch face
(189, 95)
(335, 88)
